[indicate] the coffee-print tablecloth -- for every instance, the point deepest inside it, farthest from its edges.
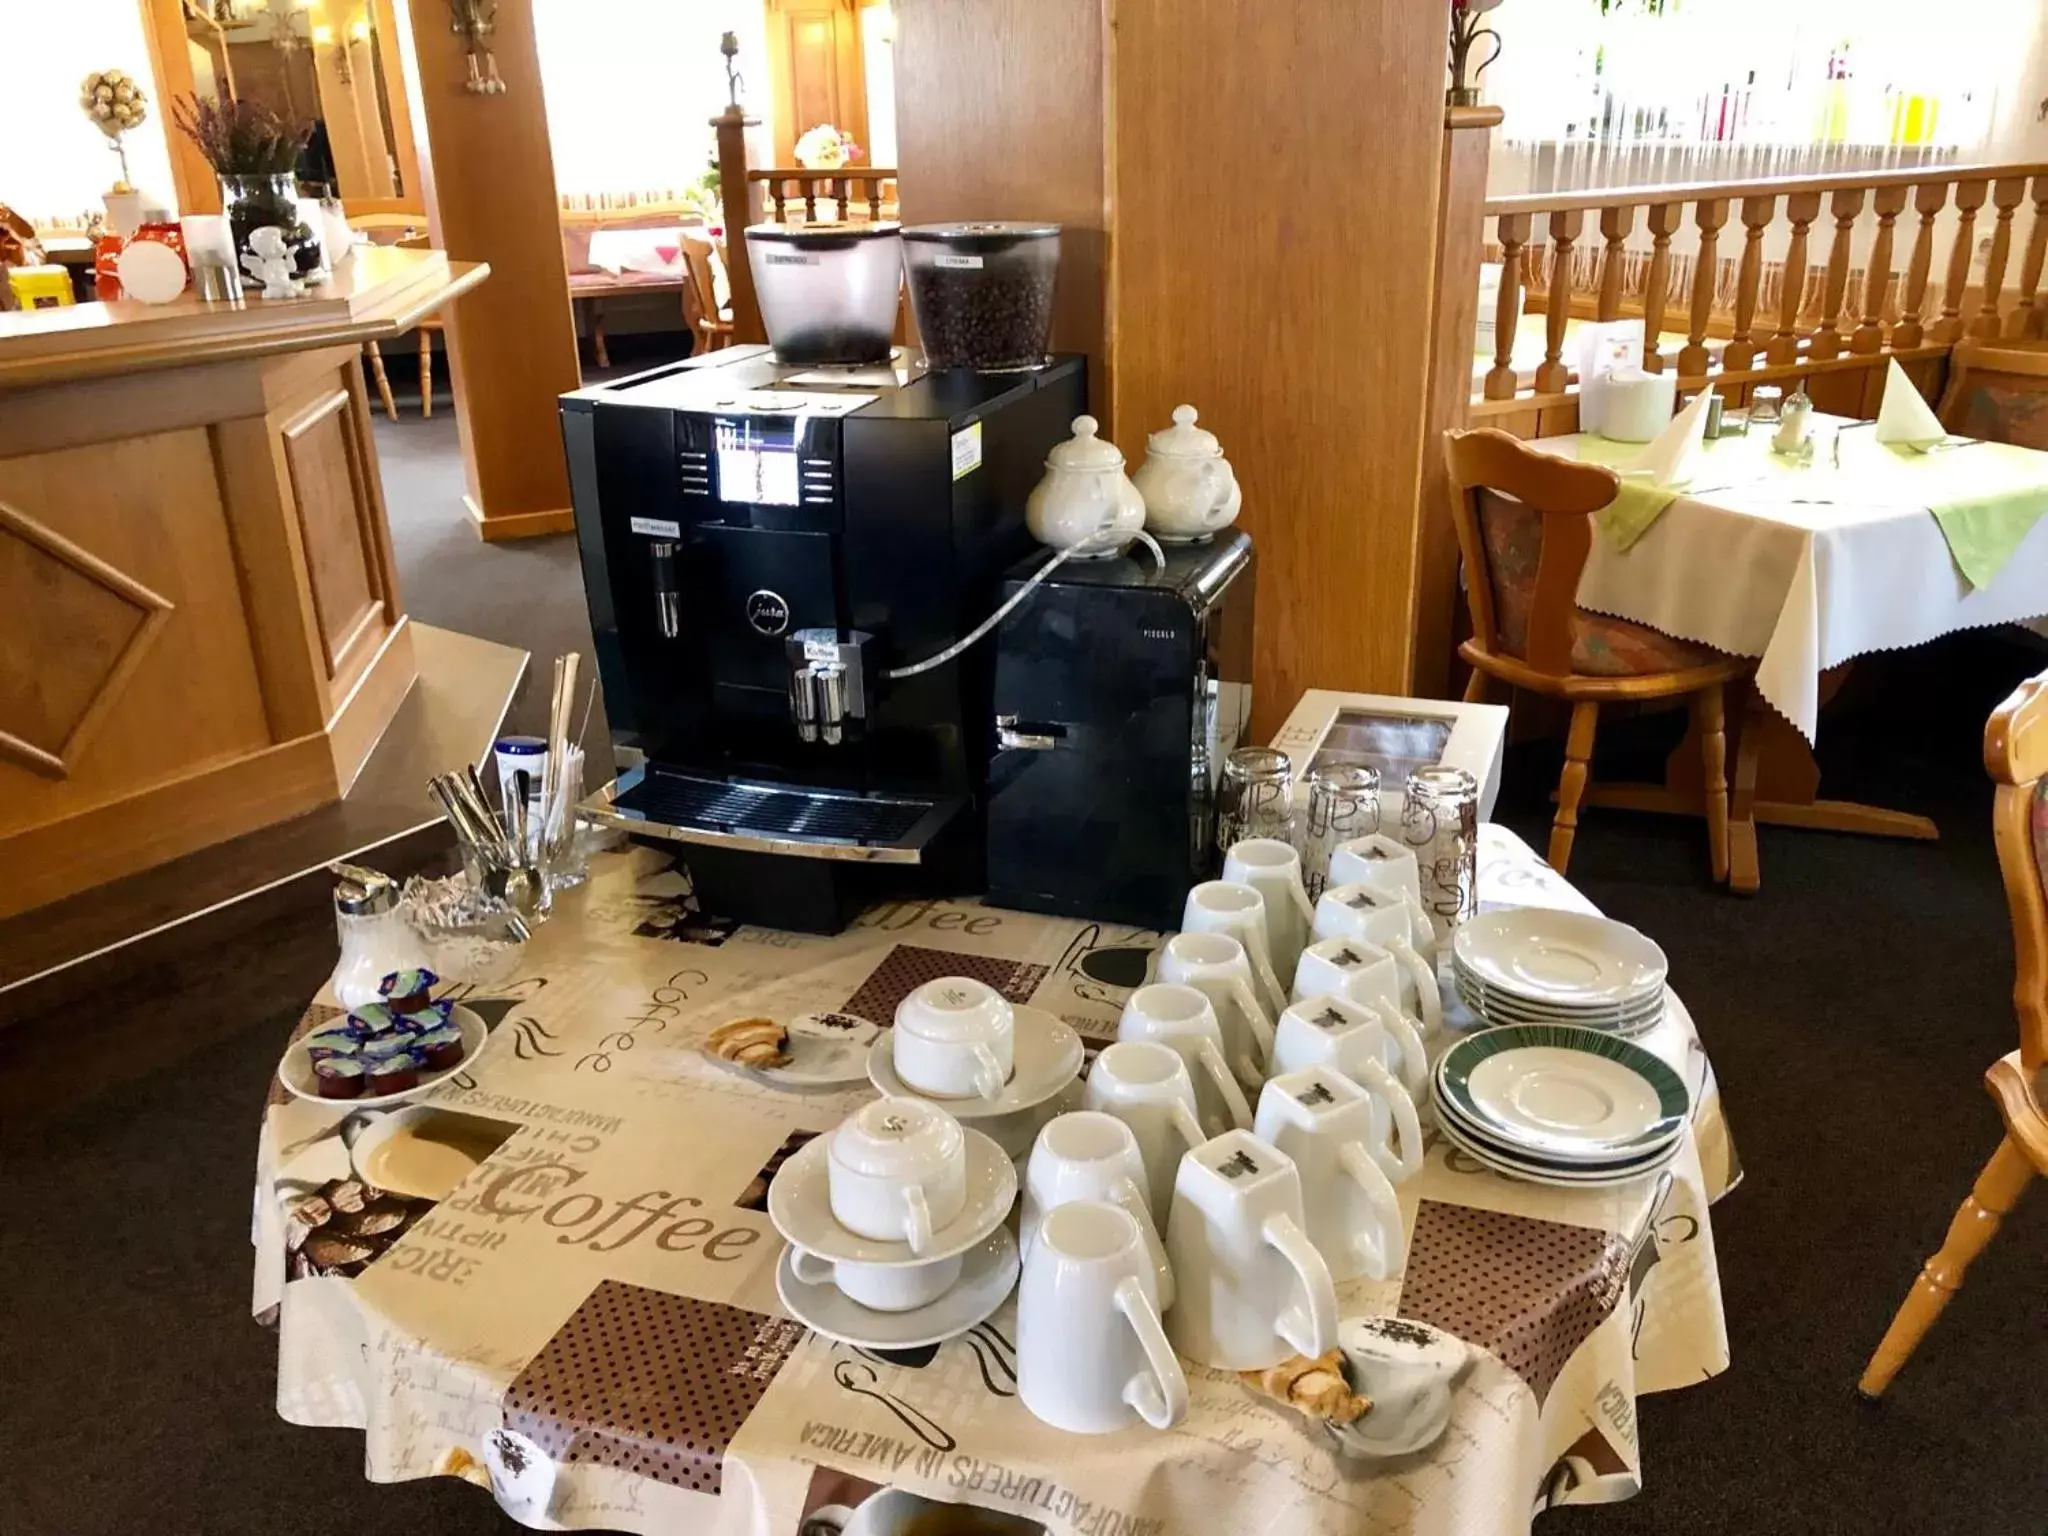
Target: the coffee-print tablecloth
(602, 1282)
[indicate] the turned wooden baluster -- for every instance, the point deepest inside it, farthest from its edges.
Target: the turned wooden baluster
(1890, 202)
(810, 187)
(1615, 224)
(874, 186)
(1514, 239)
(1847, 207)
(1708, 215)
(1757, 213)
(1802, 208)
(1664, 221)
(1909, 333)
(2025, 319)
(2006, 194)
(775, 196)
(1970, 196)
(1565, 228)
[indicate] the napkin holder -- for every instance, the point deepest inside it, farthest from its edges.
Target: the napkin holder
(1606, 349)
(1636, 407)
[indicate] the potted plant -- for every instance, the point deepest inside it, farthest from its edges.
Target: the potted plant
(254, 152)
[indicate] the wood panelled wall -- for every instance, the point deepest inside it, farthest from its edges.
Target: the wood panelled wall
(1271, 179)
(1000, 104)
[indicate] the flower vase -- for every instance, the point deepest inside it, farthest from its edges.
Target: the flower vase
(256, 202)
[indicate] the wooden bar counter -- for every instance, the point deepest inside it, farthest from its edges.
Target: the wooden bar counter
(201, 631)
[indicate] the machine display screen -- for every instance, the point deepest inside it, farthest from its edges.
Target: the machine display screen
(757, 463)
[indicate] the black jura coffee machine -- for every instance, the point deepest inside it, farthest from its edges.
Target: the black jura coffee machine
(781, 564)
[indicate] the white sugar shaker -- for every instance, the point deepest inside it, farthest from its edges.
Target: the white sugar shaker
(375, 937)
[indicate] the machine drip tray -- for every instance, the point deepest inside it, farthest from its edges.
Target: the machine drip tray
(814, 824)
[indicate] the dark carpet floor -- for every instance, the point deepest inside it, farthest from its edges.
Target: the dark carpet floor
(1851, 1009)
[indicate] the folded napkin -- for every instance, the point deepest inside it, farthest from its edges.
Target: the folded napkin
(1905, 416)
(1650, 481)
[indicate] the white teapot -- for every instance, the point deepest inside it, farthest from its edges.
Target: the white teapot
(1408, 1369)
(1189, 489)
(1085, 502)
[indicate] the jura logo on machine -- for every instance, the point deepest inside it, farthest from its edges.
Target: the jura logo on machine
(768, 612)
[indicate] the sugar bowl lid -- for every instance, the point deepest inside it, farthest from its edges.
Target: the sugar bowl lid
(1084, 450)
(1184, 440)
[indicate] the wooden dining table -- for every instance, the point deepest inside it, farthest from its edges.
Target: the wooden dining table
(1807, 564)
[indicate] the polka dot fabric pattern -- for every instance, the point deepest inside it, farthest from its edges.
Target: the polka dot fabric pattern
(1529, 1291)
(649, 1383)
(2005, 413)
(909, 966)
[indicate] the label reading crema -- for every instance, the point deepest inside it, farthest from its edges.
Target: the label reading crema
(957, 263)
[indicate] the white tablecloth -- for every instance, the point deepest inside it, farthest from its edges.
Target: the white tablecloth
(1747, 563)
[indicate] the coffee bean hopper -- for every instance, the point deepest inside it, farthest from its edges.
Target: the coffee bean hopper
(982, 292)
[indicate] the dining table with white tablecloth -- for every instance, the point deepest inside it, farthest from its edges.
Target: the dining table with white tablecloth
(1806, 563)
(597, 1291)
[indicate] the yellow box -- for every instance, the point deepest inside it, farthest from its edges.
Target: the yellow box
(40, 287)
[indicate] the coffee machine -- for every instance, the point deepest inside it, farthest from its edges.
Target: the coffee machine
(1120, 688)
(781, 563)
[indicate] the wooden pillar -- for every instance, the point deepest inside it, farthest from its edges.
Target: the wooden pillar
(741, 207)
(488, 177)
(1460, 243)
(1296, 315)
(976, 82)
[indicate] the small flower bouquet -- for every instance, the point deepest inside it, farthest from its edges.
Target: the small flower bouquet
(825, 148)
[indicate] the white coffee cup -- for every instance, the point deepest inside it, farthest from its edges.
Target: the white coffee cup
(1092, 1355)
(1384, 920)
(1216, 965)
(955, 1038)
(1377, 1050)
(1221, 906)
(1325, 1122)
(1253, 1289)
(1363, 972)
(1087, 1155)
(880, 1287)
(1273, 868)
(1182, 1018)
(1146, 1085)
(896, 1171)
(1386, 864)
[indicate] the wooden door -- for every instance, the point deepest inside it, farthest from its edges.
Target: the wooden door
(816, 71)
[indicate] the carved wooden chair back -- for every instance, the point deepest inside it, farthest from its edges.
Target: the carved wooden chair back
(1525, 528)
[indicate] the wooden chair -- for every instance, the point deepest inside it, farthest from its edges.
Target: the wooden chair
(406, 229)
(714, 324)
(2016, 756)
(1525, 528)
(1999, 391)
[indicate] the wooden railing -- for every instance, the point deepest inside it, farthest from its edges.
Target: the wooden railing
(785, 191)
(1745, 318)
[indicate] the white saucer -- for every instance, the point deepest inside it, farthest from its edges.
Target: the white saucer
(823, 1053)
(1555, 1178)
(800, 1205)
(1568, 958)
(1047, 1058)
(986, 1280)
(295, 1071)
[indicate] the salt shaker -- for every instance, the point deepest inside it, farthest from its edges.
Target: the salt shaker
(1791, 435)
(375, 938)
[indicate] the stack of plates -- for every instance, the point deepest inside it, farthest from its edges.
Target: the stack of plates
(1557, 1104)
(1535, 965)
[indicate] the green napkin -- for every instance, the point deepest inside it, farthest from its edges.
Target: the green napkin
(1637, 505)
(1629, 516)
(1993, 496)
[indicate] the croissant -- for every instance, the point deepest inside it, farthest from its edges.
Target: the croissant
(1317, 1387)
(751, 1043)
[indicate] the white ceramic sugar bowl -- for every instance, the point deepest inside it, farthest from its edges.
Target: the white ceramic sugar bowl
(1085, 502)
(1189, 488)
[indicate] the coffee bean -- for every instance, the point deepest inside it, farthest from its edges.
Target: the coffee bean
(993, 315)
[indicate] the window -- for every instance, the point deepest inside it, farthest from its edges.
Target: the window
(632, 86)
(1620, 92)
